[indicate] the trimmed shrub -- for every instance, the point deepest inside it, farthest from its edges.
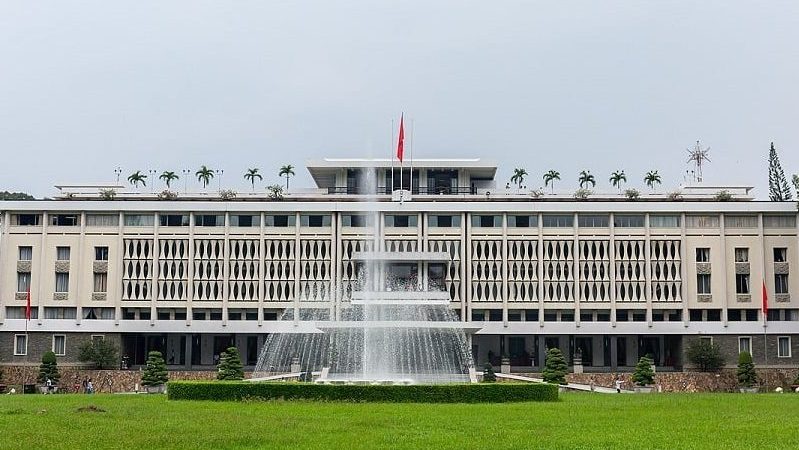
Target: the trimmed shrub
(230, 367)
(420, 393)
(705, 355)
(155, 372)
(746, 370)
(48, 369)
(632, 194)
(488, 373)
(555, 367)
(643, 375)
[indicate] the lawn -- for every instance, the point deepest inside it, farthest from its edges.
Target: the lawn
(585, 420)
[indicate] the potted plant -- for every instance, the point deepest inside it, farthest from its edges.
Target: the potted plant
(155, 375)
(644, 376)
(48, 374)
(555, 367)
(230, 367)
(488, 374)
(747, 378)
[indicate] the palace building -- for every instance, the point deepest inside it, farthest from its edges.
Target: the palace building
(607, 277)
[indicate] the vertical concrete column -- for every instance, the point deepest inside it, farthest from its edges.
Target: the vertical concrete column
(82, 272)
(578, 293)
(40, 290)
(466, 270)
(115, 286)
(297, 268)
(335, 266)
(188, 348)
(542, 351)
(504, 259)
(723, 270)
(614, 352)
(684, 272)
(540, 273)
(261, 270)
(226, 270)
(5, 255)
(648, 270)
(612, 254)
(156, 269)
(190, 275)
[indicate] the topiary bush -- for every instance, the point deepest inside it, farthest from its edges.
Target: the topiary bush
(230, 367)
(48, 369)
(155, 372)
(419, 393)
(746, 370)
(488, 374)
(643, 375)
(705, 355)
(102, 353)
(555, 367)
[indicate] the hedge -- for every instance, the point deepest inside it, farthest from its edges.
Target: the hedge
(420, 393)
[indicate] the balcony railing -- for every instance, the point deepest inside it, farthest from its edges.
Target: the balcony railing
(417, 190)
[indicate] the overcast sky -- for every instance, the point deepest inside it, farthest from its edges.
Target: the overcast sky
(86, 86)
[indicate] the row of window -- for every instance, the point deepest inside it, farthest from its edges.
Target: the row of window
(548, 220)
(59, 344)
(745, 345)
(742, 280)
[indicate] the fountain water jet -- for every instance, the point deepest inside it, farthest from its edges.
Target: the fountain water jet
(391, 329)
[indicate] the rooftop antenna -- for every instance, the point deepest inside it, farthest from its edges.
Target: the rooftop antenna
(697, 156)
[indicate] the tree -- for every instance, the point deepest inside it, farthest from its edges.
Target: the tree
(555, 367)
(251, 175)
(550, 177)
(137, 177)
(286, 171)
(5, 195)
(275, 192)
(746, 370)
(586, 178)
(643, 374)
(778, 190)
(488, 373)
(168, 177)
(617, 178)
(155, 373)
(706, 355)
(48, 370)
(230, 367)
(518, 176)
(795, 183)
(100, 352)
(204, 175)
(652, 178)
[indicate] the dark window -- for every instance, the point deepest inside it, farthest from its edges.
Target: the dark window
(486, 221)
(353, 220)
(703, 283)
(550, 316)
(144, 314)
(101, 253)
(780, 254)
(281, 221)
(251, 315)
(25, 253)
(315, 220)
(751, 315)
(209, 220)
(198, 315)
(567, 316)
(622, 315)
(242, 220)
(65, 220)
(174, 220)
(495, 315)
(703, 255)
(522, 221)
(478, 316)
(514, 316)
(714, 315)
(27, 219)
(163, 315)
(445, 221)
(593, 220)
(639, 316)
(180, 315)
(734, 315)
(657, 316)
(128, 314)
(586, 316)
(781, 283)
(695, 315)
(557, 220)
(400, 221)
(216, 315)
(531, 315)
(742, 283)
(234, 315)
(603, 316)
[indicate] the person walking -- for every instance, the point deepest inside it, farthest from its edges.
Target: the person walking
(618, 385)
(89, 387)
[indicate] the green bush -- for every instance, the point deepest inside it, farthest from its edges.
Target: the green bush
(488, 373)
(230, 367)
(705, 355)
(155, 372)
(48, 369)
(420, 393)
(100, 352)
(746, 370)
(555, 367)
(643, 375)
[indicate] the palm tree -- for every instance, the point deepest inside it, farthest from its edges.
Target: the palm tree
(204, 176)
(168, 178)
(286, 171)
(137, 177)
(586, 178)
(251, 175)
(652, 178)
(617, 178)
(518, 176)
(550, 177)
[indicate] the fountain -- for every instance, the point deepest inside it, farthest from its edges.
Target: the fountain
(392, 328)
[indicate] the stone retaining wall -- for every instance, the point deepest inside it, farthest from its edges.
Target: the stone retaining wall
(723, 381)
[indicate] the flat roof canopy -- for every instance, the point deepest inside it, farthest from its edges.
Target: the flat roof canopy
(321, 169)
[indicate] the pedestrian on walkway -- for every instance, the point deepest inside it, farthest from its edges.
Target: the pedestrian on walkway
(618, 385)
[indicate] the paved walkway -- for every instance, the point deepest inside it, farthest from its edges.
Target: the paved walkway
(573, 386)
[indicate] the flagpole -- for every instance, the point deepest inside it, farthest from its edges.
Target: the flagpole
(391, 157)
(402, 160)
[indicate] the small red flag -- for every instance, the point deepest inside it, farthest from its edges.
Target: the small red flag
(28, 305)
(765, 300)
(401, 140)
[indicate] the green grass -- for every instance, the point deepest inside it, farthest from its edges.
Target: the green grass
(666, 421)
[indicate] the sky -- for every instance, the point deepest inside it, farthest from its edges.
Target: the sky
(89, 86)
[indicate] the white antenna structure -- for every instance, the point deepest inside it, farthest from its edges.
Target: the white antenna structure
(698, 156)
